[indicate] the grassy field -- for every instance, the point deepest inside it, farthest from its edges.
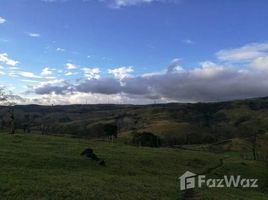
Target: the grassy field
(49, 167)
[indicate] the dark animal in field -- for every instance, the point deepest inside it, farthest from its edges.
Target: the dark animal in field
(102, 163)
(89, 153)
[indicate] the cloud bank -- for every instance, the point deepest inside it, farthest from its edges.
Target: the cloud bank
(237, 73)
(208, 82)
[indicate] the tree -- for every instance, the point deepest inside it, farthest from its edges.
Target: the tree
(146, 139)
(110, 130)
(11, 112)
(5, 100)
(27, 123)
(251, 130)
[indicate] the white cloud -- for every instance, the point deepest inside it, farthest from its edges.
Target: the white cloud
(2, 73)
(126, 3)
(12, 74)
(29, 81)
(188, 41)
(60, 49)
(174, 66)
(35, 35)
(2, 20)
(254, 55)
(82, 98)
(53, 1)
(27, 74)
(46, 71)
(260, 63)
(14, 68)
(68, 74)
(208, 70)
(5, 59)
(91, 73)
(71, 66)
(121, 72)
(153, 73)
(244, 53)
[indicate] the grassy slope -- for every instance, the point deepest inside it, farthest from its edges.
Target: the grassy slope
(48, 167)
(166, 127)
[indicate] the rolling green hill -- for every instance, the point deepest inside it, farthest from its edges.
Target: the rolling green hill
(214, 139)
(49, 167)
(174, 123)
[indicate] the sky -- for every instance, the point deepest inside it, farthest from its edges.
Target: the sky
(133, 51)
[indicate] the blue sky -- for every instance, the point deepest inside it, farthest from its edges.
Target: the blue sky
(62, 45)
